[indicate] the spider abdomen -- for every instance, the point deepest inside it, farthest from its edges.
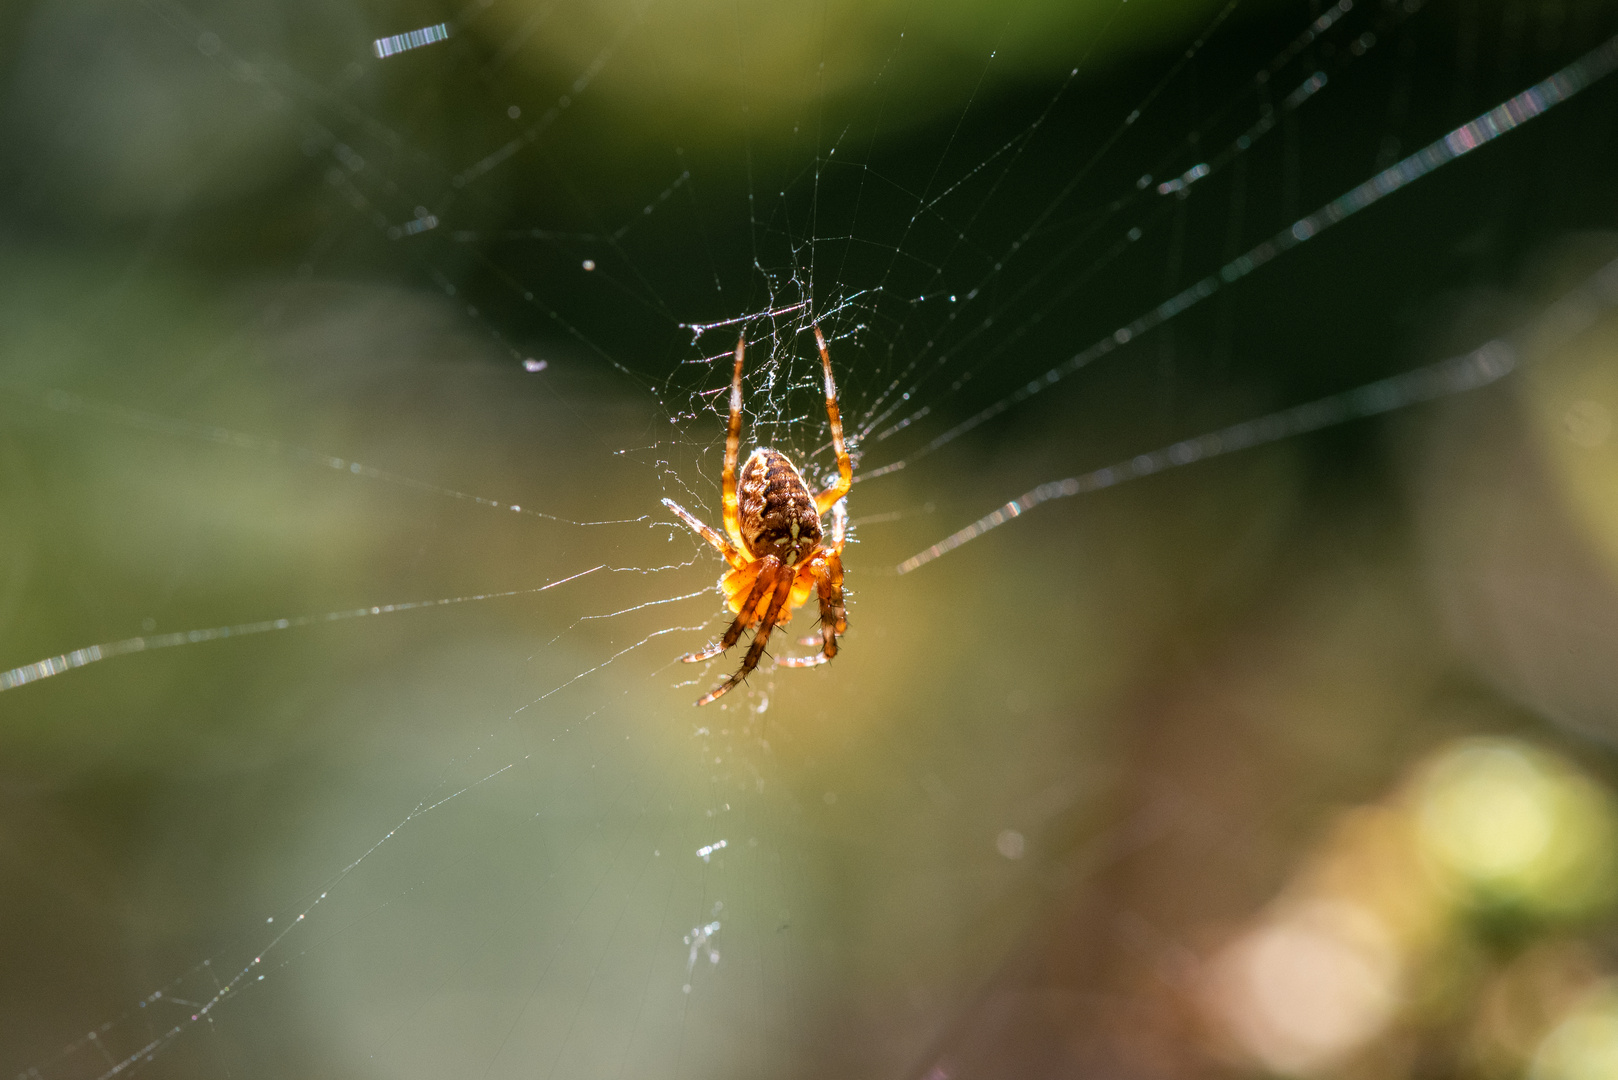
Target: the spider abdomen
(777, 512)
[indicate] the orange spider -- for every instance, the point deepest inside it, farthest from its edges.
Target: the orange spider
(775, 551)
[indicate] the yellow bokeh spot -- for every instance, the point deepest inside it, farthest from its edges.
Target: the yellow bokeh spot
(1584, 1046)
(1511, 825)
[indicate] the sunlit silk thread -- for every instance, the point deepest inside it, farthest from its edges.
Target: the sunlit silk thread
(1454, 376)
(415, 39)
(1574, 313)
(1532, 102)
(1267, 121)
(56, 665)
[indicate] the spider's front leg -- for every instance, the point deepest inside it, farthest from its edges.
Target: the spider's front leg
(845, 465)
(734, 557)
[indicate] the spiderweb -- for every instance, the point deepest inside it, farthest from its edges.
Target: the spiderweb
(352, 352)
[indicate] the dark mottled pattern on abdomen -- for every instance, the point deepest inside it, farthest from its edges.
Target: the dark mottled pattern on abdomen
(772, 497)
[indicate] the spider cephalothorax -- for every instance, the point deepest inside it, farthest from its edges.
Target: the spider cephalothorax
(774, 546)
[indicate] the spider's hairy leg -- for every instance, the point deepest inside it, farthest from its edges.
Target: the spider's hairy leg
(769, 568)
(845, 466)
(705, 654)
(734, 557)
(829, 583)
(761, 636)
(733, 442)
(832, 620)
(834, 565)
(834, 583)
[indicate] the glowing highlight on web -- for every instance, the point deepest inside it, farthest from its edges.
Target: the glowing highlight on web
(415, 39)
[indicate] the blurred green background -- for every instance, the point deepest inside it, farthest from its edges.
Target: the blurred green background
(1296, 762)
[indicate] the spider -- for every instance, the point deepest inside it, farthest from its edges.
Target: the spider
(775, 548)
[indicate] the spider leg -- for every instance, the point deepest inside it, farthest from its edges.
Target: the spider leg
(768, 568)
(829, 583)
(834, 584)
(761, 636)
(733, 441)
(725, 547)
(845, 466)
(831, 621)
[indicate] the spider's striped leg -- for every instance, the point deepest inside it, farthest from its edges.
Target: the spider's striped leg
(761, 636)
(834, 614)
(831, 623)
(768, 568)
(733, 440)
(723, 546)
(834, 580)
(834, 570)
(845, 466)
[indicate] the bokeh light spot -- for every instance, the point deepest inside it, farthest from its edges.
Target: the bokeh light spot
(1308, 986)
(1584, 1046)
(1511, 825)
